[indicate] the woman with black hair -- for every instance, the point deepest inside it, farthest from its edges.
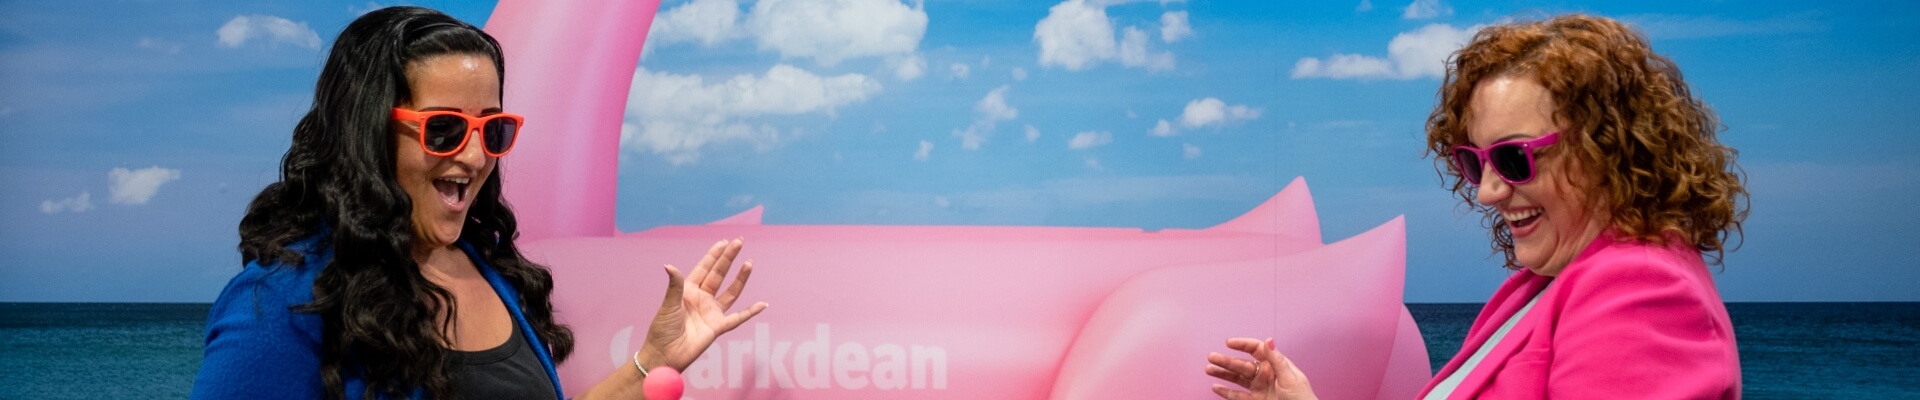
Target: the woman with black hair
(383, 265)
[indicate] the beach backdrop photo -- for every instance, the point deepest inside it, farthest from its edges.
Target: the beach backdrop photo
(897, 168)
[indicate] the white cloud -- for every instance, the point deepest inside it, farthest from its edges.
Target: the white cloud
(1019, 74)
(994, 106)
(1424, 52)
(674, 116)
(1365, 6)
(1163, 129)
(830, 31)
(160, 45)
(1077, 34)
(1174, 27)
(1134, 53)
(960, 71)
(1089, 139)
(1213, 112)
(989, 111)
(908, 68)
(1189, 151)
(1344, 66)
(135, 187)
(1421, 53)
(275, 30)
(826, 31)
(1033, 134)
(1426, 9)
(364, 8)
(707, 22)
(926, 149)
(974, 135)
(738, 201)
(75, 204)
(1111, 3)
(1074, 35)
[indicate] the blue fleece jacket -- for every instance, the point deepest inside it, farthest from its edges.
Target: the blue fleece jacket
(259, 348)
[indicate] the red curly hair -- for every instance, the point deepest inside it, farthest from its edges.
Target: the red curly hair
(1643, 146)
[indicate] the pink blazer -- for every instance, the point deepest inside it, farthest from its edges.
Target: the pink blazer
(1624, 320)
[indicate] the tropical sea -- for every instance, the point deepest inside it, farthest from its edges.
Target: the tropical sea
(149, 351)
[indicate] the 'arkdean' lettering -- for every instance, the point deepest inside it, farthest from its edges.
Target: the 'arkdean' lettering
(819, 363)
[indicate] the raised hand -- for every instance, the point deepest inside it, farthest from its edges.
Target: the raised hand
(1269, 375)
(694, 312)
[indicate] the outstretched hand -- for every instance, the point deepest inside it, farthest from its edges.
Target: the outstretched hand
(1269, 375)
(694, 312)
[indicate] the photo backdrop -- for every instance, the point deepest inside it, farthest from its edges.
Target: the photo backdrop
(132, 134)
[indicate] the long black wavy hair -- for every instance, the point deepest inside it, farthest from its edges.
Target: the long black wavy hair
(384, 322)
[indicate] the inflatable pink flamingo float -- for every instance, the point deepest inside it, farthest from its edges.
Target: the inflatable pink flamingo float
(926, 312)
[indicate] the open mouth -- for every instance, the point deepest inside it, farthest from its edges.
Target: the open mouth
(1521, 219)
(453, 191)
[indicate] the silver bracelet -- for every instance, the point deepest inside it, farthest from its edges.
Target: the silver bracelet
(636, 365)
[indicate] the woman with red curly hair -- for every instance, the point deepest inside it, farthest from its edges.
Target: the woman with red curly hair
(1604, 186)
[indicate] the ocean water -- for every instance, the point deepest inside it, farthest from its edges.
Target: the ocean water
(1787, 350)
(151, 351)
(100, 350)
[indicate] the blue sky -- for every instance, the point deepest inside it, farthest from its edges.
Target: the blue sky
(132, 133)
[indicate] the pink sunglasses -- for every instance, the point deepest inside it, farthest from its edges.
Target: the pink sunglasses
(1512, 159)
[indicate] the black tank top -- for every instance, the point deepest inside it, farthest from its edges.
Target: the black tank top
(509, 372)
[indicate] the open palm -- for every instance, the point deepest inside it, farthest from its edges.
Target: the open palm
(694, 312)
(1268, 376)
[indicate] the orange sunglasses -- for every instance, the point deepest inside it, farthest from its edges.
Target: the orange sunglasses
(445, 133)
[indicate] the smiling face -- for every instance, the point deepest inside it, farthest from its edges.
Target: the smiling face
(1550, 217)
(443, 188)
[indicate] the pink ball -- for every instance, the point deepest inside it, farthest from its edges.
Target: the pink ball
(663, 383)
